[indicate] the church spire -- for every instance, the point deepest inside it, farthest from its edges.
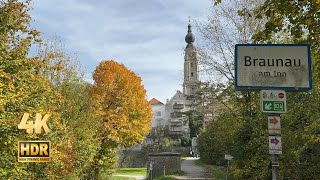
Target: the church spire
(191, 75)
(189, 37)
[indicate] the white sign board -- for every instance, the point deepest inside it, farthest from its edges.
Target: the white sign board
(228, 157)
(274, 126)
(275, 146)
(273, 66)
(273, 101)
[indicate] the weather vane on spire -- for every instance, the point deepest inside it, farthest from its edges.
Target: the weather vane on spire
(189, 19)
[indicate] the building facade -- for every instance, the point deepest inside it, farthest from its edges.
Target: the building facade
(159, 114)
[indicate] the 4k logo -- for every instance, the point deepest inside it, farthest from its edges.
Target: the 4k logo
(34, 127)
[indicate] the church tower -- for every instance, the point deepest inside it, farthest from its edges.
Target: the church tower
(191, 71)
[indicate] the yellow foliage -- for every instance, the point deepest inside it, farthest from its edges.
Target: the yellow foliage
(308, 22)
(120, 101)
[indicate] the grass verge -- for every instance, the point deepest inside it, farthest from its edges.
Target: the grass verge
(122, 178)
(131, 171)
(166, 178)
(172, 176)
(218, 172)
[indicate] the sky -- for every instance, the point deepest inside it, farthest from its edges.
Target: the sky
(147, 36)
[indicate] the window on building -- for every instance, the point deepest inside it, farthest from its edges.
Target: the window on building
(158, 113)
(192, 74)
(191, 65)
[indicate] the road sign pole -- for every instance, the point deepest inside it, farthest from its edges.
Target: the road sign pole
(228, 157)
(273, 120)
(275, 166)
(227, 175)
(273, 102)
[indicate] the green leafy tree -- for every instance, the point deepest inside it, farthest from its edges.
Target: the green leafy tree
(299, 19)
(22, 89)
(195, 122)
(44, 83)
(299, 22)
(77, 140)
(236, 128)
(296, 21)
(246, 136)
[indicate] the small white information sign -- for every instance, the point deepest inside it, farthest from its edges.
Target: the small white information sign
(228, 157)
(274, 126)
(275, 146)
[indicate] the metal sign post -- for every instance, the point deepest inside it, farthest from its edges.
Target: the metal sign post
(275, 149)
(274, 101)
(228, 158)
(275, 166)
(150, 170)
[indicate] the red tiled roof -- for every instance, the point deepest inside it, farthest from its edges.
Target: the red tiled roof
(155, 101)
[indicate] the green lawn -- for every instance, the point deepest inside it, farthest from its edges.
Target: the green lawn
(131, 171)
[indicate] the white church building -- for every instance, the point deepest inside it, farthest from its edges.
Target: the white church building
(170, 115)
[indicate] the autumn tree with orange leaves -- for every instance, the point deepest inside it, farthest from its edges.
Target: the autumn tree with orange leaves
(121, 105)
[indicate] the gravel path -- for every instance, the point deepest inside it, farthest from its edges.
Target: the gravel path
(193, 171)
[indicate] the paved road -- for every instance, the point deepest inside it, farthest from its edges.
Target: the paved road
(193, 171)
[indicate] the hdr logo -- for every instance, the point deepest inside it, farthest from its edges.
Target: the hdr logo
(34, 151)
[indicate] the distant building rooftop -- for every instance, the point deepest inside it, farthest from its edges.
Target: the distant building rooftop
(155, 101)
